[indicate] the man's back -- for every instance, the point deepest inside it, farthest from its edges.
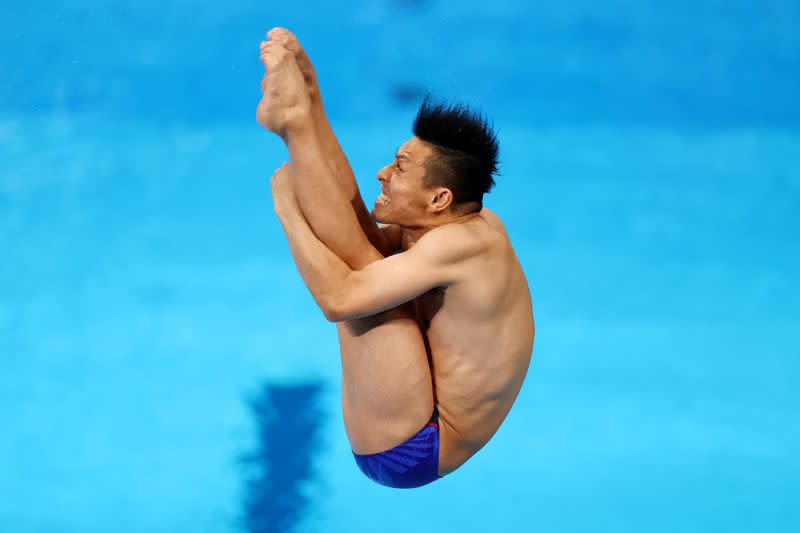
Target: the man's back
(480, 332)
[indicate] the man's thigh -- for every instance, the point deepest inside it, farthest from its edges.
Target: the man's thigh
(387, 390)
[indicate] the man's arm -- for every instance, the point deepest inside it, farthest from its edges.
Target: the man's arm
(343, 293)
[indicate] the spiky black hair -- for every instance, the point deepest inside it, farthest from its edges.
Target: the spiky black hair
(465, 159)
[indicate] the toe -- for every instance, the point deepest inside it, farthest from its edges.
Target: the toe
(286, 38)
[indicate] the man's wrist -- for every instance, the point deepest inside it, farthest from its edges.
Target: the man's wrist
(289, 215)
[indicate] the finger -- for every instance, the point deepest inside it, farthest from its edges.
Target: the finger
(270, 50)
(265, 53)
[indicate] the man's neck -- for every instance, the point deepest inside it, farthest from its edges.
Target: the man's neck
(412, 234)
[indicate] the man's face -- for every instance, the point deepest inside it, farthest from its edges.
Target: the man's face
(404, 198)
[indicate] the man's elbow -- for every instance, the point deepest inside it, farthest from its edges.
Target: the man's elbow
(338, 304)
(333, 315)
(341, 309)
(333, 309)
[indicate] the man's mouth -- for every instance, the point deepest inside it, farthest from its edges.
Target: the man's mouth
(383, 199)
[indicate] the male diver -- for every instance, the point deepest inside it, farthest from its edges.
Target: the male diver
(435, 340)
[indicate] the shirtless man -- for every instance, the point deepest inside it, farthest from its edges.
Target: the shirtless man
(445, 327)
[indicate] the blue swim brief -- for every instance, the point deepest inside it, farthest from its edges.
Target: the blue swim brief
(408, 465)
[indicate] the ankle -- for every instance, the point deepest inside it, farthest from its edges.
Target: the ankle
(299, 124)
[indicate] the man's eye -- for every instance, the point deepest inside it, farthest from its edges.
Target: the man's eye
(397, 166)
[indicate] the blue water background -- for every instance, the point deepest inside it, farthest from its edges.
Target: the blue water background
(650, 159)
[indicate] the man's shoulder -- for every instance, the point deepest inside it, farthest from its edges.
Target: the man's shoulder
(453, 242)
(493, 220)
(482, 237)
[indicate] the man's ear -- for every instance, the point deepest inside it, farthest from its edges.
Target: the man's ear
(442, 200)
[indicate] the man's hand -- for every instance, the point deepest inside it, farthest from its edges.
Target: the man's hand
(283, 195)
(285, 103)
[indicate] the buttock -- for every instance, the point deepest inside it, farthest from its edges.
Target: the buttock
(412, 464)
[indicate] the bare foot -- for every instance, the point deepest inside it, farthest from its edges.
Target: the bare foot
(288, 40)
(285, 100)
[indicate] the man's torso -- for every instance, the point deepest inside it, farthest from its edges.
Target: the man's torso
(479, 332)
